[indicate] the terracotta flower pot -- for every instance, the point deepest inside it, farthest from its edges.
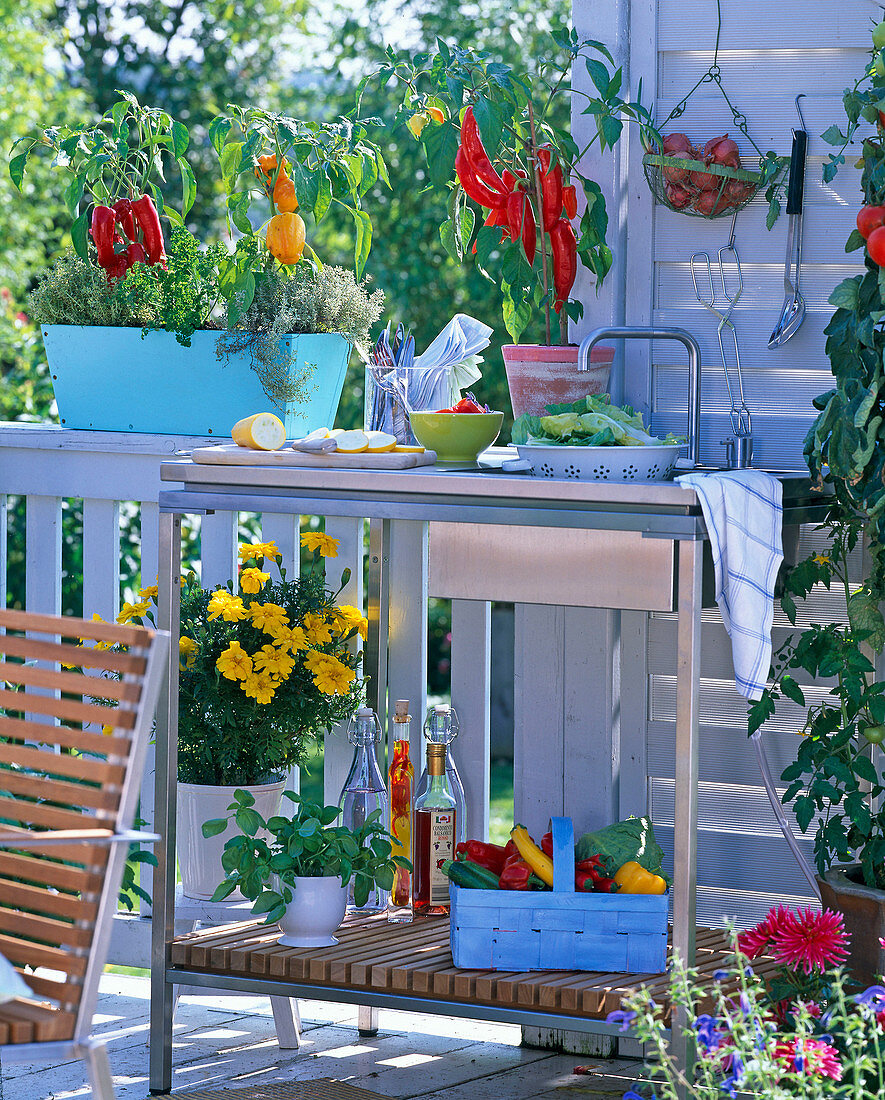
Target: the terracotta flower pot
(863, 910)
(539, 376)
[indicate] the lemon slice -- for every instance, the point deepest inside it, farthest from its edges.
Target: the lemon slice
(260, 432)
(353, 442)
(317, 433)
(401, 449)
(380, 442)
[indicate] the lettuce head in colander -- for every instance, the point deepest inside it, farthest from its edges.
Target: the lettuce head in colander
(591, 422)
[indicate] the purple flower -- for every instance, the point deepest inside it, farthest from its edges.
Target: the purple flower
(619, 1016)
(745, 1004)
(720, 975)
(873, 998)
(730, 1084)
(707, 1032)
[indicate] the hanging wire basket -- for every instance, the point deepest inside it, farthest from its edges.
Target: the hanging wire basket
(699, 189)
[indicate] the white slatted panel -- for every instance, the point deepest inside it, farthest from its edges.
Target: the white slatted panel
(769, 53)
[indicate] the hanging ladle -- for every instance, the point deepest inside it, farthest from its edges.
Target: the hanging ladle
(793, 311)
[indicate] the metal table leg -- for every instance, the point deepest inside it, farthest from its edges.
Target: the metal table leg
(163, 909)
(688, 671)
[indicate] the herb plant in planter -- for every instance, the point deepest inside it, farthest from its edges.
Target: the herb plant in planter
(837, 783)
(264, 669)
(299, 876)
(243, 327)
(495, 131)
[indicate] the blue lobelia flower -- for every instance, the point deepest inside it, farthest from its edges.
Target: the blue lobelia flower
(619, 1016)
(707, 1032)
(873, 997)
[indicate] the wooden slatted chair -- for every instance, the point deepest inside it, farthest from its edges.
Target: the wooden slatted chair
(70, 770)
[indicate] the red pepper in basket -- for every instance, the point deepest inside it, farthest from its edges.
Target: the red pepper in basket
(491, 856)
(590, 875)
(517, 875)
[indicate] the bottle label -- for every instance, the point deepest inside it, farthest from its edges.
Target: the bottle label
(442, 847)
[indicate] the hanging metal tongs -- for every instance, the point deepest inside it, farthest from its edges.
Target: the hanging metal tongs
(793, 311)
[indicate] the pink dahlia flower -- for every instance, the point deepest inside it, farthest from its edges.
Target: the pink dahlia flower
(810, 1056)
(754, 941)
(810, 940)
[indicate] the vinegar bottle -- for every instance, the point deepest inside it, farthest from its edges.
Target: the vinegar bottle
(434, 837)
(442, 725)
(365, 792)
(401, 774)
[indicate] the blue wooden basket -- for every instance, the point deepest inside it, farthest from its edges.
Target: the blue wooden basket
(562, 930)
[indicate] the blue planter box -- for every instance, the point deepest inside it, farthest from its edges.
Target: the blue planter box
(562, 930)
(115, 379)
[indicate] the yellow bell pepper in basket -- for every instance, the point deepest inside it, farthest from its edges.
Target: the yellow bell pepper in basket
(634, 879)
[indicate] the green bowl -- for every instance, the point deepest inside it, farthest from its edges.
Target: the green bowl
(456, 437)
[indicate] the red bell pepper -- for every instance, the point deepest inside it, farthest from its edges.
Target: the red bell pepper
(148, 222)
(491, 856)
(517, 875)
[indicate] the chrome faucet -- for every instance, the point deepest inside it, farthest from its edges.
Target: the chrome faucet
(629, 332)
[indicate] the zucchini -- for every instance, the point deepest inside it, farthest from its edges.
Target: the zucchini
(464, 873)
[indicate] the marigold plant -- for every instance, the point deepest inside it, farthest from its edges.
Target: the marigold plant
(265, 666)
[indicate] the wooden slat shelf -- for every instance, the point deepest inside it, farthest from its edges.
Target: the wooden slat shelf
(414, 960)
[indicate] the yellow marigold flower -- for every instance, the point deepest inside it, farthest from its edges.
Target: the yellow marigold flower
(276, 662)
(317, 629)
(314, 658)
(130, 611)
(229, 607)
(96, 618)
(292, 637)
(259, 550)
(333, 678)
(260, 686)
(149, 593)
(316, 540)
(234, 663)
(269, 617)
(107, 730)
(187, 652)
(252, 580)
(349, 617)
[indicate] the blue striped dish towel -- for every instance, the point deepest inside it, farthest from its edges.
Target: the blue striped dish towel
(743, 512)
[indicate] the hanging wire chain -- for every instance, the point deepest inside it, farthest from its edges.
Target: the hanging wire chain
(713, 75)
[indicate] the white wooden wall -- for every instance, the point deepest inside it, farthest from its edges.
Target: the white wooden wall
(769, 53)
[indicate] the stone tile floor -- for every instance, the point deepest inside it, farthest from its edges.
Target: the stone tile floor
(228, 1041)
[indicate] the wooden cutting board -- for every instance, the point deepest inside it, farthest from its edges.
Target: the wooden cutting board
(229, 454)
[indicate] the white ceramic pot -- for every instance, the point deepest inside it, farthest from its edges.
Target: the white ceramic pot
(315, 911)
(199, 857)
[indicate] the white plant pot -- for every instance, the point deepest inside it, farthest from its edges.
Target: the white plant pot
(315, 911)
(199, 857)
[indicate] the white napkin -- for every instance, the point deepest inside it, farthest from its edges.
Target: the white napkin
(11, 982)
(743, 512)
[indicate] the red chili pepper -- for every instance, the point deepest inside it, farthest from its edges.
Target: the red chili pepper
(570, 201)
(592, 870)
(123, 209)
(135, 254)
(148, 221)
(564, 246)
(473, 185)
(118, 266)
(521, 219)
(551, 187)
(490, 856)
(102, 230)
(476, 154)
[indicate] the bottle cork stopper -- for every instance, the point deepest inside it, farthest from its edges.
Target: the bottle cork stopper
(365, 712)
(401, 710)
(442, 708)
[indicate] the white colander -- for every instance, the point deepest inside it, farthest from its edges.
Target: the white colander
(619, 464)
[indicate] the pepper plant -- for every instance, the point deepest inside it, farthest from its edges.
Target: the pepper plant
(290, 169)
(115, 170)
(837, 782)
(489, 134)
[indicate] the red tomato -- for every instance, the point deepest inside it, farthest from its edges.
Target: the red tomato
(467, 405)
(876, 246)
(868, 219)
(445, 410)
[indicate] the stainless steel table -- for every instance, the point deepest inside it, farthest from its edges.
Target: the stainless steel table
(635, 546)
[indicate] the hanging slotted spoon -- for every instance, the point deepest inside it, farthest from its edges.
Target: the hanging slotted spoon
(793, 311)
